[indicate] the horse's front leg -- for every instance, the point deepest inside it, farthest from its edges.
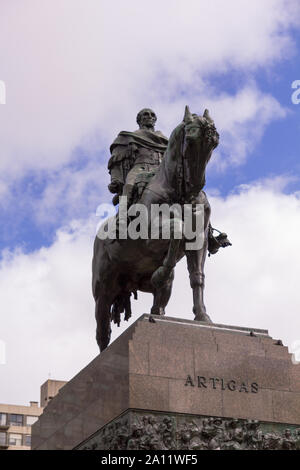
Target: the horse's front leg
(196, 259)
(165, 272)
(195, 263)
(162, 296)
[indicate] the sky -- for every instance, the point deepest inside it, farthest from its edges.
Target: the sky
(76, 72)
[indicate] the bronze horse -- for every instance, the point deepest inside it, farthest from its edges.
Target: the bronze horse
(122, 267)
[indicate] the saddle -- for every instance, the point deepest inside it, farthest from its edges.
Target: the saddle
(141, 182)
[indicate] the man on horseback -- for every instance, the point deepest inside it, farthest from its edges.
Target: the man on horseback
(136, 156)
(135, 159)
(164, 173)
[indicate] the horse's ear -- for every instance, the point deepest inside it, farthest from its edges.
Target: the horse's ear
(207, 116)
(188, 117)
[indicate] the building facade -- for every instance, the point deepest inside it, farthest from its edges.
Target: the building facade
(49, 389)
(15, 425)
(16, 420)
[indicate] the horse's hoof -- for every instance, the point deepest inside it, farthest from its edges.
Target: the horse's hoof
(202, 317)
(103, 340)
(103, 345)
(157, 311)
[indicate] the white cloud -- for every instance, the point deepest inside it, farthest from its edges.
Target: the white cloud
(242, 119)
(76, 73)
(72, 66)
(256, 279)
(70, 193)
(48, 311)
(3, 190)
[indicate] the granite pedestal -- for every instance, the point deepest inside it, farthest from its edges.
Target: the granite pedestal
(178, 384)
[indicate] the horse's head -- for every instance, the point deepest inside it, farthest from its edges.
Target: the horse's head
(200, 138)
(189, 149)
(200, 133)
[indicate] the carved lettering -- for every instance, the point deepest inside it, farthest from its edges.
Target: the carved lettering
(243, 388)
(223, 386)
(189, 381)
(202, 382)
(218, 383)
(214, 380)
(231, 385)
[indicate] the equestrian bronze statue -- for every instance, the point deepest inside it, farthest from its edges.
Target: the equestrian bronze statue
(149, 171)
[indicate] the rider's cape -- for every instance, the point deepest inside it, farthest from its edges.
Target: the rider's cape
(125, 144)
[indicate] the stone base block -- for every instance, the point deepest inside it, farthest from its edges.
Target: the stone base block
(177, 367)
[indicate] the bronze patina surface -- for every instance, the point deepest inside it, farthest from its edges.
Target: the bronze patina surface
(149, 169)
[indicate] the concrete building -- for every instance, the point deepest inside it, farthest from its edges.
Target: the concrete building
(16, 420)
(15, 425)
(49, 389)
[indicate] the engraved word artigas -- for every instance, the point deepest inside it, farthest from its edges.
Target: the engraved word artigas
(217, 383)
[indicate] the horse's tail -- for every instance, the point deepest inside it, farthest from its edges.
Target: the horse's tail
(121, 304)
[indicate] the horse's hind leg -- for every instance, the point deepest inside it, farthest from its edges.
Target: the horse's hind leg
(103, 320)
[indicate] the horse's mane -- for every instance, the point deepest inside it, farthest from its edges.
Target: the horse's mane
(174, 147)
(173, 155)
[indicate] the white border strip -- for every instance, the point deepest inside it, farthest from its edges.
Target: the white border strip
(214, 327)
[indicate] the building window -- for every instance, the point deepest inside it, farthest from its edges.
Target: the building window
(15, 439)
(2, 438)
(16, 420)
(30, 420)
(3, 419)
(27, 440)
